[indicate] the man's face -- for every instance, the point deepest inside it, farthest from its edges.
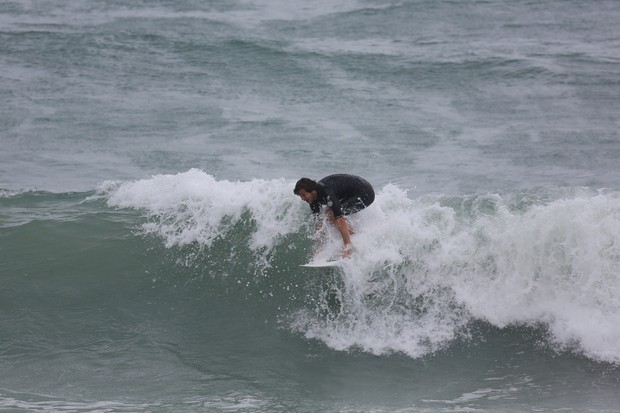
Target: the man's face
(309, 197)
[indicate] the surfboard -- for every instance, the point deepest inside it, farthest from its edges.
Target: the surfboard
(322, 264)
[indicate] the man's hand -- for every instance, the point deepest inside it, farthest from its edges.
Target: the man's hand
(346, 251)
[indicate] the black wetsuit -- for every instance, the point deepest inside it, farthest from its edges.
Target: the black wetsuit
(343, 194)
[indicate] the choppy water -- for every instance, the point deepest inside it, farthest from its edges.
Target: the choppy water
(150, 242)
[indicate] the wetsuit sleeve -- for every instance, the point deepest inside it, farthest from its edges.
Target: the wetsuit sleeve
(333, 203)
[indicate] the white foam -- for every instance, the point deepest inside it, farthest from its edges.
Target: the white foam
(424, 270)
(194, 207)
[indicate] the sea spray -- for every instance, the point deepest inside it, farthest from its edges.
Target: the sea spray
(193, 207)
(423, 269)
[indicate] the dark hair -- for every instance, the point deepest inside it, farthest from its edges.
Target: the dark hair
(306, 184)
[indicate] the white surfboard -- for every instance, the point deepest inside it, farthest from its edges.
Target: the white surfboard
(322, 264)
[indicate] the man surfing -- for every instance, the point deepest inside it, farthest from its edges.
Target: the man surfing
(342, 194)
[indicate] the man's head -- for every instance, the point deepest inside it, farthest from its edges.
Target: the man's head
(305, 188)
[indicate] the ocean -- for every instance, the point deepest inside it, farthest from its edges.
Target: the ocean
(151, 243)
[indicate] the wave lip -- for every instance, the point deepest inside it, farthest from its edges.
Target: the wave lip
(193, 207)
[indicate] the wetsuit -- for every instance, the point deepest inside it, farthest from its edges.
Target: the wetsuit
(343, 194)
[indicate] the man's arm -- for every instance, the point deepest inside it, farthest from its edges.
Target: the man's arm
(343, 227)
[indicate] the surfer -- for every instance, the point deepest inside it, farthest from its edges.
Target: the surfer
(342, 194)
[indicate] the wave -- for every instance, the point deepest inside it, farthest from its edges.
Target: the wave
(424, 270)
(427, 272)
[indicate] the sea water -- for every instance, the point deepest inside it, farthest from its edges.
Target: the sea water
(150, 240)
